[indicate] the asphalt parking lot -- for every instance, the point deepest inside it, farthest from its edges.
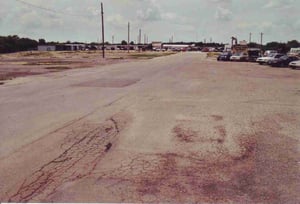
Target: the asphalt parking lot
(178, 128)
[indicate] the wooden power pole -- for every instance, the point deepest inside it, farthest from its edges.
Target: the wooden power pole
(261, 39)
(250, 34)
(102, 19)
(128, 44)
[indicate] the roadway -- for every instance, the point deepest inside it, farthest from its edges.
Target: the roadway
(180, 128)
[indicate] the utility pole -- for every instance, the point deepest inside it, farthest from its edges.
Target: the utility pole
(128, 44)
(261, 39)
(140, 40)
(112, 39)
(102, 18)
(261, 42)
(140, 36)
(250, 34)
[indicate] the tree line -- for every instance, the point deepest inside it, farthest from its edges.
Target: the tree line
(279, 46)
(14, 43)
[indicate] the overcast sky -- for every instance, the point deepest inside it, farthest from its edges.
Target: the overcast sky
(185, 20)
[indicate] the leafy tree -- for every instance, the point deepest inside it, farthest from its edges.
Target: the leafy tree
(293, 44)
(131, 43)
(253, 45)
(124, 42)
(42, 41)
(281, 47)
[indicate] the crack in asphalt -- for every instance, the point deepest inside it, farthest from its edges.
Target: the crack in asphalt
(76, 162)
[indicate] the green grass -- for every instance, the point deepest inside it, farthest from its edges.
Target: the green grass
(4, 78)
(47, 63)
(58, 68)
(149, 55)
(36, 54)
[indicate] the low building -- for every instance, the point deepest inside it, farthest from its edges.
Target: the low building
(294, 52)
(74, 47)
(177, 47)
(156, 45)
(46, 48)
(239, 48)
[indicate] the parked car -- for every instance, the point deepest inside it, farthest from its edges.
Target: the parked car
(205, 49)
(295, 64)
(269, 52)
(264, 60)
(224, 56)
(253, 54)
(282, 61)
(242, 56)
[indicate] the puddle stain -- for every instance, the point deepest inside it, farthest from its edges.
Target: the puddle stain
(174, 177)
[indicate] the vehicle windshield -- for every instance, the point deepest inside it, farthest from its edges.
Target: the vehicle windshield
(284, 57)
(225, 53)
(277, 56)
(271, 55)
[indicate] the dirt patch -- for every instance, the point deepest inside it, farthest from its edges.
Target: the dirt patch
(188, 132)
(184, 134)
(222, 132)
(248, 145)
(217, 117)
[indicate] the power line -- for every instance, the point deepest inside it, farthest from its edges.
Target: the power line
(51, 10)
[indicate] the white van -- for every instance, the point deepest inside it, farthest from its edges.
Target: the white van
(294, 52)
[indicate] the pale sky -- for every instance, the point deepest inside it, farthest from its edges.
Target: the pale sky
(185, 20)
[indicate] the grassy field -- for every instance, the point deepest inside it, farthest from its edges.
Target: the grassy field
(34, 62)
